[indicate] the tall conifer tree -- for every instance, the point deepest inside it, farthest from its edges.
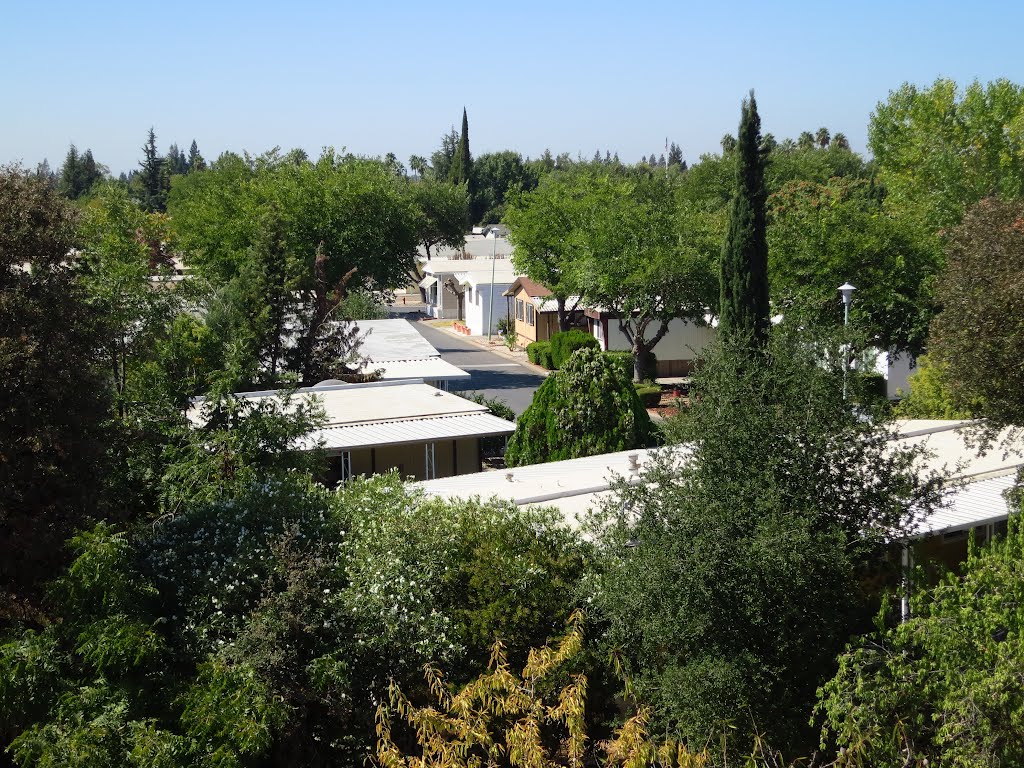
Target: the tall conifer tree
(744, 275)
(462, 168)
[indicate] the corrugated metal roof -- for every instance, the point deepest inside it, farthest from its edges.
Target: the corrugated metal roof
(430, 368)
(406, 431)
(977, 503)
(393, 339)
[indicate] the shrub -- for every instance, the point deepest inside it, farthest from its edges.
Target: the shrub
(564, 343)
(586, 408)
(623, 360)
(539, 353)
(649, 394)
(271, 623)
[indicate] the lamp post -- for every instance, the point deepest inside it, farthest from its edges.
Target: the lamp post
(490, 295)
(846, 291)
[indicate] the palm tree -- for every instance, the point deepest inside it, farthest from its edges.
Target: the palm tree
(806, 140)
(822, 137)
(839, 141)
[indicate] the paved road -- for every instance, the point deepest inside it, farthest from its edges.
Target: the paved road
(494, 375)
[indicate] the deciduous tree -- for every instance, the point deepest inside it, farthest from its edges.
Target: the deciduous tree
(54, 399)
(731, 570)
(978, 336)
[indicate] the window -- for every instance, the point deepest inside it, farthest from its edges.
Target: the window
(519, 309)
(530, 317)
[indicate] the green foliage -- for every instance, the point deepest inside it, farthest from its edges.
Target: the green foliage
(585, 408)
(618, 240)
(236, 442)
(649, 394)
(943, 687)
(941, 149)
(498, 407)
(744, 310)
(357, 209)
(54, 399)
(930, 396)
(565, 343)
(539, 353)
(492, 446)
(731, 572)
(462, 163)
(442, 213)
(496, 175)
(823, 235)
(266, 625)
(978, 337)
(622, 360)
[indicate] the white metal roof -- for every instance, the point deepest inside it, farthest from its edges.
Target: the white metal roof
(429, 368)
(427, 281)
(395, 339)
(348, 404)
(404, 431)
(576, 485)
(572, 486)
(977, 503)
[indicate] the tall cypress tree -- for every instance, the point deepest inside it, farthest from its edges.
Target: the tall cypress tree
(744, 275)
(462, 168)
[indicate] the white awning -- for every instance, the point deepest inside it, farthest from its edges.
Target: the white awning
(411, 431)
(429, 369)
(427, 281)
(971, 505)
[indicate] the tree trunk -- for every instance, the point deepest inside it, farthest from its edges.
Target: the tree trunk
(563, 316)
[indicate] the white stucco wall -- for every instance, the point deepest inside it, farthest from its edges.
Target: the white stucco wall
(477, 307)
(684, 340)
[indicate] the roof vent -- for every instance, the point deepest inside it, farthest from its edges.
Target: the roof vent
(634, 463)
(508, 476)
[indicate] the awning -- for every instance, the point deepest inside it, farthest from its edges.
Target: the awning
(427, 281)
(407, 431)
(429, 369)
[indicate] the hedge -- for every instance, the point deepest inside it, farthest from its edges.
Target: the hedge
(564, 343)
(539, 353)
(650, 394)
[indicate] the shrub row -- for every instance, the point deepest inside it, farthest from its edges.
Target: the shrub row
(539, 353)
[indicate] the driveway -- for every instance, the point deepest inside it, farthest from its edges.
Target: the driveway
(492, 374)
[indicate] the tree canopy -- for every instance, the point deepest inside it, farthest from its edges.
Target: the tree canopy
(54, 399)
(941, 149)
(978, 336)
(587, 407)
(731, 571)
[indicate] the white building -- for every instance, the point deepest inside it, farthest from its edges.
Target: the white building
(410, 427)
(398, 352)
(676, 352)
(467, 290)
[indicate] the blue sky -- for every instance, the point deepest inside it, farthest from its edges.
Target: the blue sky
(393, 76)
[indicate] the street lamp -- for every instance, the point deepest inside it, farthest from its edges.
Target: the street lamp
(846, 291)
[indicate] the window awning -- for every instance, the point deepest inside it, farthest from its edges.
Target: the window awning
(427, 281)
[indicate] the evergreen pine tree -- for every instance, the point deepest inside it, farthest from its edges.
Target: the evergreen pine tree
(661, 161)
(195, 160)
(744, 268)
(71, 174)
(675, 155)
(153, 196)
(91, 172)
(462, 168)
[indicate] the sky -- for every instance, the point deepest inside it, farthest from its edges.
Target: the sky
(382, 77)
